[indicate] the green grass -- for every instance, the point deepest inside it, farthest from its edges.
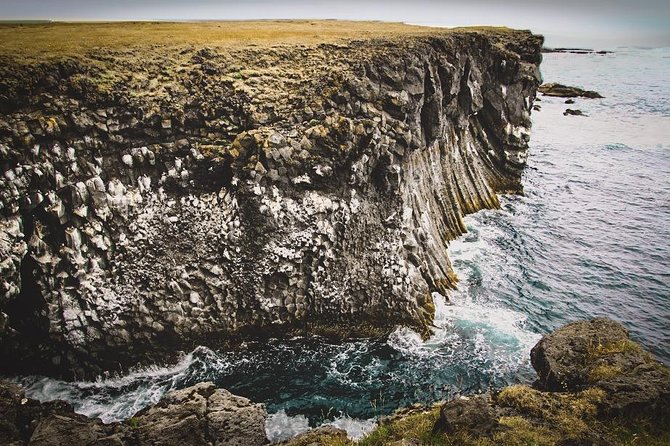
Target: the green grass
(601, 350)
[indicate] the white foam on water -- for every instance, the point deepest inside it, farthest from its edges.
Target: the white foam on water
(406, 340)
(472, 328)
(341, 364)
(279, 426)
(491, 326)
(93, 398)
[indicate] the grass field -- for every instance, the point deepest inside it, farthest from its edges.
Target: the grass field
(71, 39)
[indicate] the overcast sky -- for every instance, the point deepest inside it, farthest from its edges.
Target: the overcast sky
(592, 23)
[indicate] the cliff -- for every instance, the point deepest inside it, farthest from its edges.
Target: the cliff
(183, 184)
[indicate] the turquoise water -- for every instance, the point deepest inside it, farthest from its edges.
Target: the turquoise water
(590, 237)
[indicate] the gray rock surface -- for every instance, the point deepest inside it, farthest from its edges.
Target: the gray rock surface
(250, 190)
(198, 415)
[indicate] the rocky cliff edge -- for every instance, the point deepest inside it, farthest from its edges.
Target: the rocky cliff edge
(162, 192)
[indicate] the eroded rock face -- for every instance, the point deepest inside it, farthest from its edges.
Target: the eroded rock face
(198, 415)
(277, 188)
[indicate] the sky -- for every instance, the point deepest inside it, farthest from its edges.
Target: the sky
(599, 24)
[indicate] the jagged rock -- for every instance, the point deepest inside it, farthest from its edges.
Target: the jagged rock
(337, 222)
(202, 414)
(198, 415)
(564, 91)
(599, 353)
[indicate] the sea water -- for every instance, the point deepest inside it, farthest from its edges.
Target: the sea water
(589, 237)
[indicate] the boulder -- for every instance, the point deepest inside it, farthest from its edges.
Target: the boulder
(599, 353)
(202, 414)
(475, 415)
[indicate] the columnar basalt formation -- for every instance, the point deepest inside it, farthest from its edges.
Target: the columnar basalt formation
(152, 201)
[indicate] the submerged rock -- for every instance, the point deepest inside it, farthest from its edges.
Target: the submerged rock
(198, 415)
(573, 112)
(564, 91)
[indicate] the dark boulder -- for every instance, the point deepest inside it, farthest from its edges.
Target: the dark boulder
(599, 353)
(573, 112)
(565, 91)
(474, 416)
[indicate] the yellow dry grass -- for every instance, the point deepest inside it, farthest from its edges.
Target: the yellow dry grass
(44, 40)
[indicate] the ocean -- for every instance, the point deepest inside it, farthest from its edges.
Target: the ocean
(589, 237)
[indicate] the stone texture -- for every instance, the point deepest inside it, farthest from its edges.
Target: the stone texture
(198, 415)
(599, 353)
(473, 415)
(290, 188)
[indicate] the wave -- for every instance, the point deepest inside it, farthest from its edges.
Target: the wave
(117, 398)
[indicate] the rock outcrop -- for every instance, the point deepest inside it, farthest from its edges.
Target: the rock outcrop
(197, 416)
(573, 112)
(564, 91)
(153, 200)
(599, 353)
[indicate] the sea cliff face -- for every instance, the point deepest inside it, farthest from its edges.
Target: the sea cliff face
(193, 195)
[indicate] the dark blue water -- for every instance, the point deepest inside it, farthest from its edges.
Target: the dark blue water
(590, 237)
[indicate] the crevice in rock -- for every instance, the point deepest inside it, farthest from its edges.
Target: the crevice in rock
(26, 311)
(464, 93)
(430, 110)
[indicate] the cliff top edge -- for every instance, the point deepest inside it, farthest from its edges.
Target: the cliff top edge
(53, 40)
